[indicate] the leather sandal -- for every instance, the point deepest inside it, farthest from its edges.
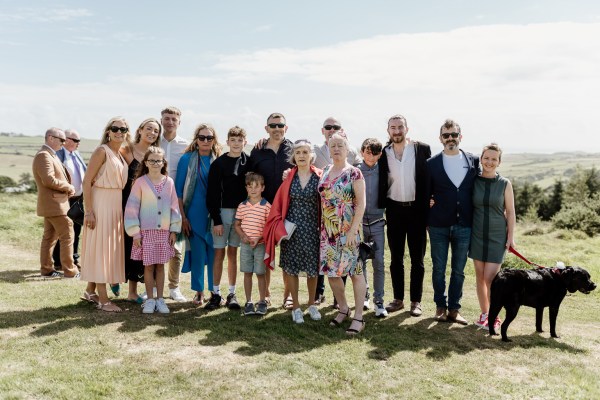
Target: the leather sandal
(90, 297)
(108, 307)
(352, 331)
(288, 304)
(335, 322)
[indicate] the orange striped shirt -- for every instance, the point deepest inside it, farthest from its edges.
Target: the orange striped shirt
(253, 217)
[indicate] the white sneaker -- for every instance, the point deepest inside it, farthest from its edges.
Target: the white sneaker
(380, 310)
(161, 306)
(144, 295)
(176, 295)
(149, 306)
(367, 304)
(315, 315)
(297, 316)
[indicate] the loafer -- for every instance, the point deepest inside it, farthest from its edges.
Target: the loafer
(395, 305)
(441, 314)
(454, 316)
(415, 309)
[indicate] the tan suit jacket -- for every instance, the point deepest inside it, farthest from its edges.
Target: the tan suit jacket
(53, 182)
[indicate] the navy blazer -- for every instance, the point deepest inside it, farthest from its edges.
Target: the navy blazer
(61, 156)
(452, 206)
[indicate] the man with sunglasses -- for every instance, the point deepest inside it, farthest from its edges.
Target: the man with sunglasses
(72, 160)
(54, 189)
(403, 192)
(452, 174)
(330, 126)
(174, 146)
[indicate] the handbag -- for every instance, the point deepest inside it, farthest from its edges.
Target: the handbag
(76, 212)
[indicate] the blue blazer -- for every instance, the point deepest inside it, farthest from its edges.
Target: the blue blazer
(452, 206)
(61, 154)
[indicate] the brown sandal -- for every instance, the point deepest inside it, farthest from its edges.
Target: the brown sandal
(108, 307)
(288, 304)
(352, 331)
(346, 314)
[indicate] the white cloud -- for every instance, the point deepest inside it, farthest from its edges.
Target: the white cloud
(45, 14)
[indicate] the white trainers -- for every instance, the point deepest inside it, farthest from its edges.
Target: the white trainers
(149, 306)
(314, 313)
(367, 304)
(161, 306)
(176, 295)
(297, 316)
(144, 295)
(380, 311)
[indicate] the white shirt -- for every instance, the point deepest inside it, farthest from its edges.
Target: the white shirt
(173, 152)
(402, 185)
(456, 167)
(76, 179)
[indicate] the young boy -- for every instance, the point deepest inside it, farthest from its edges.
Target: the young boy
(373, 220)
(250, 220)
(225, 192)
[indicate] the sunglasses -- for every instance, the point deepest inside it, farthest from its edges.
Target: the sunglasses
(203, 138)
(303, 141)
(330, 127)
(59, 138)
(155, 162)
(115, 129)
(453, 134)
(75, 140)
(273, 126)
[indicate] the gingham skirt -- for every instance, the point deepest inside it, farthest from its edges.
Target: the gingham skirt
(155, 247)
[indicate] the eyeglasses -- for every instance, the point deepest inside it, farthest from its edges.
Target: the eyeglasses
(59, 138)
(203, 138)
(155, 162)
(74, 140)
(115, 129)
(330, 127)
(453, 134)
(273, 126)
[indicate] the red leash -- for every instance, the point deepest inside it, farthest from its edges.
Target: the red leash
(516, 253)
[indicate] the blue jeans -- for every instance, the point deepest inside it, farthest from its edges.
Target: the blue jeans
(458, 238)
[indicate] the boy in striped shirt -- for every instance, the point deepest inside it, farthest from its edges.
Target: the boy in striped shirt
(250, 219)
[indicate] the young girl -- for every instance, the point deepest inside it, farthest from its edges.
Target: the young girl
(153, 219)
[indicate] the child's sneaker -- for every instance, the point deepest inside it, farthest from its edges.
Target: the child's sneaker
(314, 313)
(261, 307)
(482, 321)
(380, 311)
(367, 302)
(161, 306)
(149, 306)
(249, 308)
(297, 316)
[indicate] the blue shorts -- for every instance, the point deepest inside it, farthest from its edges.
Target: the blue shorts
(230, 236)
(252, 260)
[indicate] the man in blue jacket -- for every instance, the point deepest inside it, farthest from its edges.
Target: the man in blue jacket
(452, 174)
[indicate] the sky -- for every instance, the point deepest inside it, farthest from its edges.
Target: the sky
(524, 74)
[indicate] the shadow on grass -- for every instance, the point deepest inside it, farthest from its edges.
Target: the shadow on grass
(16, 276)
(275, 332)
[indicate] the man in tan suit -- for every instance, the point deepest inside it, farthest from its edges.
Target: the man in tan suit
(54, 190)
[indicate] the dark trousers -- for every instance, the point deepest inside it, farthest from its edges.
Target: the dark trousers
(77, 231)
(405, 224)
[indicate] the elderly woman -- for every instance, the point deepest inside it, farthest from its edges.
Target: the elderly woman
(147, 134)
(191, 184)
(342, 189)
(297, 203)
(103, 255)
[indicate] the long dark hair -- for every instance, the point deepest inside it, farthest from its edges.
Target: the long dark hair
(143, 168)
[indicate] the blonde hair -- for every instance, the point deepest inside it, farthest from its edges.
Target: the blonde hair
(138, 135)
(105, 136)
(216, 147)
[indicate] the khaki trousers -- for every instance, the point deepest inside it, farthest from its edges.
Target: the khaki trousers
(57, 228)
(175, 267)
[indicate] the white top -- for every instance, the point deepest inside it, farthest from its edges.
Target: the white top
(173, 152)
(456, 167)
(75, 170)
(402, 185)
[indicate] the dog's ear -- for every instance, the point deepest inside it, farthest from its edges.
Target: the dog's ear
(566, 275)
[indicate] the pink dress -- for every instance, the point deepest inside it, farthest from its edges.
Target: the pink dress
(155, 247)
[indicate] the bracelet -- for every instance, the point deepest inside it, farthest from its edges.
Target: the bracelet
(87, 214)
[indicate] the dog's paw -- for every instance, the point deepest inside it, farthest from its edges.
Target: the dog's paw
(539, 330)
(555, 336)
(507, 340)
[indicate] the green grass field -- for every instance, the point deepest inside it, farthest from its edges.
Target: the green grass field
(54, 346)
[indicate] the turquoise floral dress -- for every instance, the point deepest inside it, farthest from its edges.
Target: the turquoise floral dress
(337, 211)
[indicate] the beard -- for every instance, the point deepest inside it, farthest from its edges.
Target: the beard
(397, 138)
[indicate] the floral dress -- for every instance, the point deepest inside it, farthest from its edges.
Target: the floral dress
(338, 208)
(298, 253)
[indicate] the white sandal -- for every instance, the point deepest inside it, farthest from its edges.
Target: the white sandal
(90, 297)
(102, 307)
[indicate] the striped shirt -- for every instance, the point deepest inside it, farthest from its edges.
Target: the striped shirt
(253, 217)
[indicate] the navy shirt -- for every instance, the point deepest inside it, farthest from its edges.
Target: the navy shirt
(271, 165)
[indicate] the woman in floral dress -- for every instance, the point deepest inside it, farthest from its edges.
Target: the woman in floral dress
(342, 190)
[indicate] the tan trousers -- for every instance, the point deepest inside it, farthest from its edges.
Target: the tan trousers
(175, 267)
(57, 228)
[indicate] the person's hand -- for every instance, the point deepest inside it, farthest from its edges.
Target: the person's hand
(260, 143)
(137, 242)
(351, 237)
(172, 238)
(431, 202)
(245, 239)
(510, 242)
(71, 191)
(186, 227)
(253, 242)
(89, 220)
(285, 174)
(218, 230)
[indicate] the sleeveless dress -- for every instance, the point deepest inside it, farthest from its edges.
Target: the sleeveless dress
(298, 254)
(337, 212)
(103, 254)
(134, 269)
(488, 235)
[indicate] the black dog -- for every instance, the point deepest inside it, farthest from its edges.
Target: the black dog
(540, 288)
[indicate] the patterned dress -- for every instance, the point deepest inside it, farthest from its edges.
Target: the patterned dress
(298, 254)
(338, 208)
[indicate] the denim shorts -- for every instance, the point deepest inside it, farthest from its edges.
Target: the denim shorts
(252, 260)
(230, 236)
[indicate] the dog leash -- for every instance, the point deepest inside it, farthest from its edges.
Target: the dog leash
(516, 253)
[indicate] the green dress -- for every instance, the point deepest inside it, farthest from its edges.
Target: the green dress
(488, 235)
